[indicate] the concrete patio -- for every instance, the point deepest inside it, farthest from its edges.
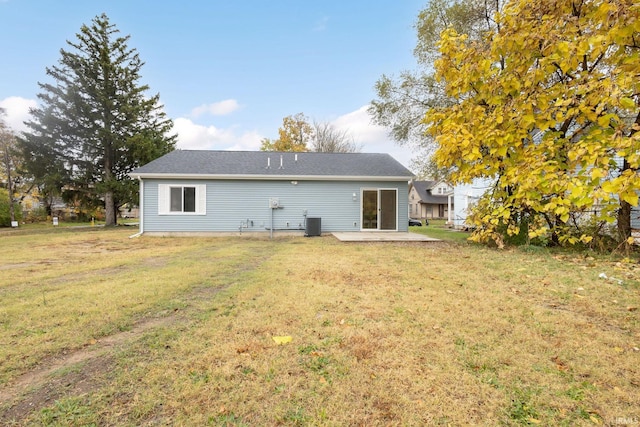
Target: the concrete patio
(382, 236)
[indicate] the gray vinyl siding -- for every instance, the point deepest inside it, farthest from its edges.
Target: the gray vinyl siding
(230, 202)
(635, 218)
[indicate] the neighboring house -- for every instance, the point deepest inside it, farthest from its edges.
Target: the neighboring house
(635, 224)
(58, 206)
(429, 199)
(129, 211)
(635, 218)
(465, 196)
(189, 191)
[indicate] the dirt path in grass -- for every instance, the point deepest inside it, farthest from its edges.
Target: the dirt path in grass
(79, 372)
(87, 369)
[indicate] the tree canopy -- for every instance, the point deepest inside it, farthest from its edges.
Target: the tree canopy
(294, 135)
(95, 122)
(8, 175)
(328, 139)
(547, 104)
(297, 134)
(403, 100)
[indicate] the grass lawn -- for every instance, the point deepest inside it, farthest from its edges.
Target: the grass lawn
(438, 230)
(100, 329)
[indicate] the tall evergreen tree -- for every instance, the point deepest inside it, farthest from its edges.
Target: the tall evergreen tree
(95, 122)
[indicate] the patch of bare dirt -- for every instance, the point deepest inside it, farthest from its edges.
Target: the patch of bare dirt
(90, 376)
(17, 265)
(103, 272)
(83, 371)
(155, 262)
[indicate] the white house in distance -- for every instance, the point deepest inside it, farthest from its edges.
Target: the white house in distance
(429, 199)
(464, 197)
(437, 199)
(201, 191)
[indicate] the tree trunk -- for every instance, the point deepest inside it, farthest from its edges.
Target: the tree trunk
(109, 209)
(552, 223)
(624, 213)
(624, 220)
(110, 217)
(7, 163)
(116, 211)
(48, 207)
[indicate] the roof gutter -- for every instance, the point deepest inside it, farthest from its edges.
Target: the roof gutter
(405, 178)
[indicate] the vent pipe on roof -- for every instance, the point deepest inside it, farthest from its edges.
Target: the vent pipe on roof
(268, 162)
(281, 165)
(295, 157)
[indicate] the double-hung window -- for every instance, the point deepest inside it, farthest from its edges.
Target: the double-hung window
(176, 199)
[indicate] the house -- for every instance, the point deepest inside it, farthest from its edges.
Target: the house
(429, 199)
(465, 196)
(635, 224)
(196, 191)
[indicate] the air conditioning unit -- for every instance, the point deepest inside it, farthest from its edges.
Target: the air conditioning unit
(314, 227)
(274, 203)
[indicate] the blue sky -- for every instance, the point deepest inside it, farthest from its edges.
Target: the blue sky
(229, 71)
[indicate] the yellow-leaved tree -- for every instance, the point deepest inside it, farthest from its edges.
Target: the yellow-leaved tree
(294, 135)
(548, 107)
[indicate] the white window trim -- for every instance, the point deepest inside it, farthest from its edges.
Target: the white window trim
(164, 199)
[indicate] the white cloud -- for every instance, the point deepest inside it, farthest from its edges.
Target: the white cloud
(221, 108)
(192, 136)
(371, 137)
(17, 111)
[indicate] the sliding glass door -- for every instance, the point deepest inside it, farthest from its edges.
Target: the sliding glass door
(380, 209)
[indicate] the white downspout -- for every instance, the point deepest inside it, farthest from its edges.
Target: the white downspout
(140, 211)
(449, 219)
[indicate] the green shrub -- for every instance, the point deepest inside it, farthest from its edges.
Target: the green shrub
(38, 214)
(5, 217)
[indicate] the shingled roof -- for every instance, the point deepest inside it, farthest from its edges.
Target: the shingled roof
(208, 164)
(423, 188)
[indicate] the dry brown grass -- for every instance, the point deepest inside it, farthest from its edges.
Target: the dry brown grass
(383, 334)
